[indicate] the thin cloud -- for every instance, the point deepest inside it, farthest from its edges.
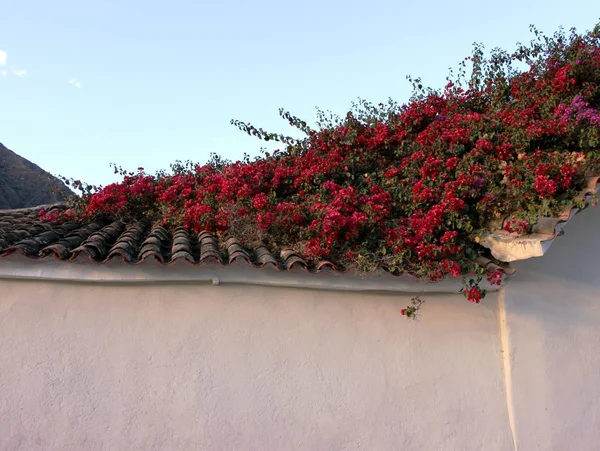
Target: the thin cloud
(5, 72)
(18, 72)
(75, 83)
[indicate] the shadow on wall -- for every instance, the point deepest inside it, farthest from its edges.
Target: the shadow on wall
(564, 283)
(572, 257)
(553, 314)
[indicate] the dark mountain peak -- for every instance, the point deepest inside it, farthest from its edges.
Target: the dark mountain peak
(25, 184)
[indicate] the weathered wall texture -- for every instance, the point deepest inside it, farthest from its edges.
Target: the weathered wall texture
(553, 325)
(186, 367)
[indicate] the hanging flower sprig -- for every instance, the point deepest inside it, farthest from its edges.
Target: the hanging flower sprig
(411, 311)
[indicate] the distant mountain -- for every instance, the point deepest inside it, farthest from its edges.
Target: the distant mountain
(24, 184)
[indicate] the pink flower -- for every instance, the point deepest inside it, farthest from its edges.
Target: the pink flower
(495, 277)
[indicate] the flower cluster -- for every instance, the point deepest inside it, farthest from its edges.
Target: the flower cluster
(405, 188)
(579, 110)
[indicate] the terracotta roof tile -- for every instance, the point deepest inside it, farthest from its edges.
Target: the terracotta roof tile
(181, 246)
(22, 231)
(138, 241)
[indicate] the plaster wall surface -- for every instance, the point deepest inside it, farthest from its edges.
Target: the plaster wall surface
(553, 326)
(188, 366)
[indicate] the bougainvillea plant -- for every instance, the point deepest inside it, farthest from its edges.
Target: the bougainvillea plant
(412, 311)
(400, 187)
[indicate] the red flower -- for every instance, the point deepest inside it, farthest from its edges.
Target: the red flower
(474, 294)
(544, 186)
(260, 201)
(452, 162)
(449, 236)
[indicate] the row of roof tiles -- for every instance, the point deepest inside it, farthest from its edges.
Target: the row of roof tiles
(22, 231)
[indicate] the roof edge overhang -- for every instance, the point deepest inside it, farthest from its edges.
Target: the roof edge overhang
(512, 247)
(18, 267)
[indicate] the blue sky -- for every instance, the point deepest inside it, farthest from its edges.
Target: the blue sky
(143, 83)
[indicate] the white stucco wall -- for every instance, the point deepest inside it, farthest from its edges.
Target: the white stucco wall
(553, 325)
(190, 365)
(196, 366)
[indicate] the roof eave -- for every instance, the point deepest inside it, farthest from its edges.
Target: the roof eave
(81, 270)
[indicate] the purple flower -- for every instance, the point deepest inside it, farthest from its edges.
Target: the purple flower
(580, 110)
